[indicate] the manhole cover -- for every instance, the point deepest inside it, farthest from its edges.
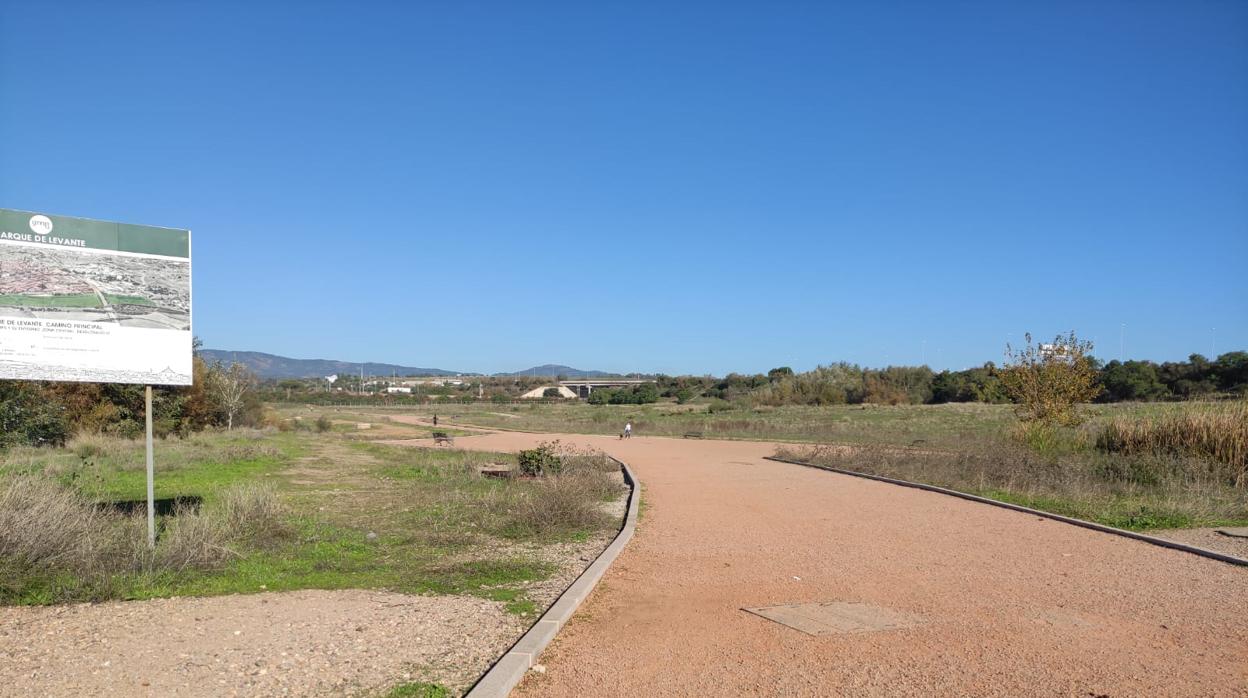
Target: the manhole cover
(835, 617)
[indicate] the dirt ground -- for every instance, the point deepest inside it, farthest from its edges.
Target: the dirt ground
(297, 643)
(302, 643)
(1006, 603)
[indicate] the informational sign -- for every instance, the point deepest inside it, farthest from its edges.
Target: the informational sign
(86, 300)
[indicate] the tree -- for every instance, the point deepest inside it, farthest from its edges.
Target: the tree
(1132, 380)
(28, 416)
(231, 387)
(1048, 382)
(780, 373)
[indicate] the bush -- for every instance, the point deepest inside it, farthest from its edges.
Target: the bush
(1048, 382)
(323, 424)
(536, 462)
(29, 418)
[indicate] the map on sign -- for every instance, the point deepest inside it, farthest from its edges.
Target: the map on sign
(87, 300)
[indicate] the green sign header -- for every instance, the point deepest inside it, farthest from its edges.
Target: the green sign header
(64, 231)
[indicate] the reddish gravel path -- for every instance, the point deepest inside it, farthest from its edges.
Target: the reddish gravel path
(1011, 604)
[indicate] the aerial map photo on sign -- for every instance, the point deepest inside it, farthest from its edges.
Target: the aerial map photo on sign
(86, 300)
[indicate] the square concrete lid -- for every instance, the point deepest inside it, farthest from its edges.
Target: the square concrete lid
(835, 617)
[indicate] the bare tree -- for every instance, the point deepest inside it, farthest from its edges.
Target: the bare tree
(230, 388)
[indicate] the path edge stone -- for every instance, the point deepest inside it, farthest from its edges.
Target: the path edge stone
(508, 671)
(1174, 545)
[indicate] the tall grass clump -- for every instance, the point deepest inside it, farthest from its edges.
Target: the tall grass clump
(57, 545)
(561, 504)
(44, 526)
(1218, 434)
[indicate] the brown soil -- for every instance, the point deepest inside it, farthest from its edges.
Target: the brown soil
(1005, 603)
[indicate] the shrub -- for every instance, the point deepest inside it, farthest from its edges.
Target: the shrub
(543, 460)
(323, 424)
(1049, 381)
(28, 417)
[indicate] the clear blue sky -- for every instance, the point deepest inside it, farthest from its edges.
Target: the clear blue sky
(673, 187)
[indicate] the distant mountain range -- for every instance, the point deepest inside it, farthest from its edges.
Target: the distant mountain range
(273, 366)
(558, 370)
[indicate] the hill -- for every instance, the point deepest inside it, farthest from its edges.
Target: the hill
(273, 366)
(560, 370)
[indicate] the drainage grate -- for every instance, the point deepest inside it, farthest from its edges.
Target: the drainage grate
(835, 617)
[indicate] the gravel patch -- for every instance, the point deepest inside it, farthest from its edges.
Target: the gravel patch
(1207, 538)
(297, 643)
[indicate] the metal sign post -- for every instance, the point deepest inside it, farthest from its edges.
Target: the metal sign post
(151, 475)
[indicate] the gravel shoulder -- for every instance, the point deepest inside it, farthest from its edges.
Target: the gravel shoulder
(1207, 538)
(272, 644)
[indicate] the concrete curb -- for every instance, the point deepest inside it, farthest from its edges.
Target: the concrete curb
(1203, 552)
(510, 669)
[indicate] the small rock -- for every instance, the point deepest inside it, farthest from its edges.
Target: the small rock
(539, 668)
(371, 536)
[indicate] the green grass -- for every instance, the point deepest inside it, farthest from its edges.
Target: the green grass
(363, 515)
(64, 300)
(419, 690)
(116, 299)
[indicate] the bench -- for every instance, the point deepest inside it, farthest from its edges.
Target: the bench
(441, 437)
(693, 435)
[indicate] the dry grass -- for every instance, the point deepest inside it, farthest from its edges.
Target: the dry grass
(45, 526)
(570, 501)
(1215, 433)
(252, 513)
(55, 542)
(1137, 492)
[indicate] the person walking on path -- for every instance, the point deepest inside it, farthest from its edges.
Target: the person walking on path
(628, 430)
